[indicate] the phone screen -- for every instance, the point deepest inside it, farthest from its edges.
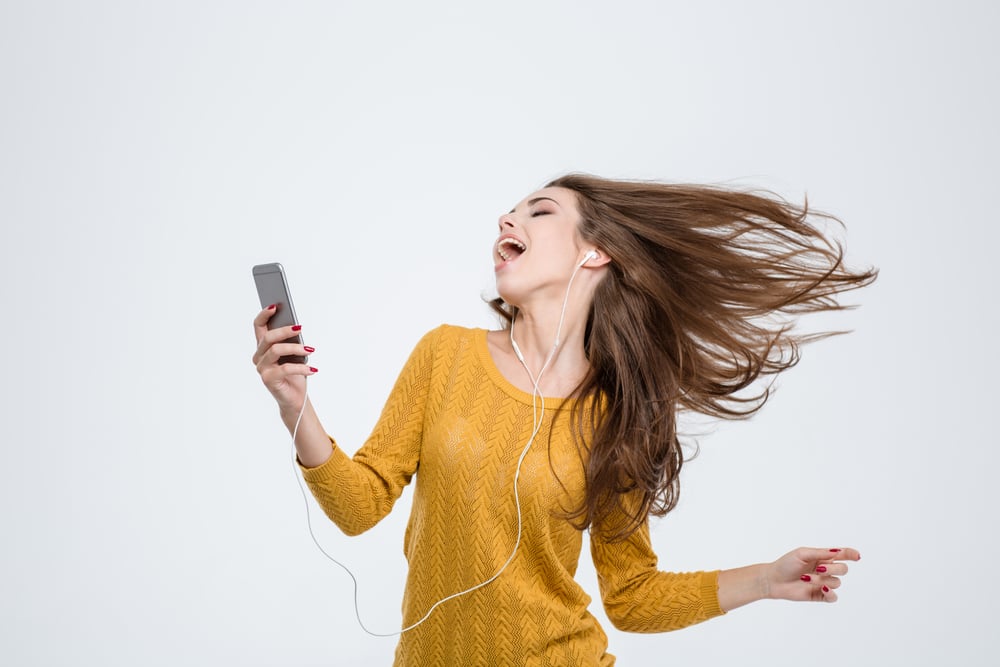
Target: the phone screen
(272, 287)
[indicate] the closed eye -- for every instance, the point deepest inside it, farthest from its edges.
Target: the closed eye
(535, 214)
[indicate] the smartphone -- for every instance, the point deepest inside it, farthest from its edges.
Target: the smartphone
(272, 287)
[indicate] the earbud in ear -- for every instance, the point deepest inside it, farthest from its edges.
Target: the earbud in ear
(589, 256)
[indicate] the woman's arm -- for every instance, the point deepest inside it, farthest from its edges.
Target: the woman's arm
(803, 574)
(354, 492)
(357, 492)
(287, 384)
(638, 597)
(312, 444)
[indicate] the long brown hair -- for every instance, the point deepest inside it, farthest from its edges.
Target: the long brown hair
(699, 302)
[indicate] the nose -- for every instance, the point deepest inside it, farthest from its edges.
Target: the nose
(505, 222)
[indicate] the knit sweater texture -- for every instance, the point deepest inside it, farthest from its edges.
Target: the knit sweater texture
(457, 426)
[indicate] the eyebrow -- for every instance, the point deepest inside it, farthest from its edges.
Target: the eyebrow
(532, 202)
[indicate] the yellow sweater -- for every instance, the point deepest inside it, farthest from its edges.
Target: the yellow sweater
(454, 421)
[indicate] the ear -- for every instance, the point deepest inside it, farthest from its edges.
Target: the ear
(594, 258)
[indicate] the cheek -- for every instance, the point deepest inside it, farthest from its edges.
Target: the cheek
(560, 240)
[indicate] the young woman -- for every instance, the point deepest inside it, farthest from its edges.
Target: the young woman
(623, 304)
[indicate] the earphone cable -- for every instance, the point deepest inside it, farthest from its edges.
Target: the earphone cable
(538, 418)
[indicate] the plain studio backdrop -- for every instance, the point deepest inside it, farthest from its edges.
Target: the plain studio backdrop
(152, 152)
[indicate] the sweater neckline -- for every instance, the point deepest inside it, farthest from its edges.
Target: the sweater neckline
(486, 359)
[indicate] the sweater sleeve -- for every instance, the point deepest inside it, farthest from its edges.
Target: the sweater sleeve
(640, 598)
(357, 492)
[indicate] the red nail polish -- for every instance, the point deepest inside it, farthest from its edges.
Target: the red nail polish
(308, 349)
(826, 589)
(314, 370)
(834, 550)
(806, 577)
(296, 327)
(821, 568)
(272, 306)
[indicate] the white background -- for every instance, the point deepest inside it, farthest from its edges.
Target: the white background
(152, 152)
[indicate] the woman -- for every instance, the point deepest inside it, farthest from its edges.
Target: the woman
(623, 303)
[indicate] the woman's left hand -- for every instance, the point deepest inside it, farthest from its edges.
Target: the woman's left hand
(809, 573)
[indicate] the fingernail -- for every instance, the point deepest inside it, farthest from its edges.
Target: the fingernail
(826, 589)
(296, 327)
(821, 568)
(834, 550)
(806, 577)
(859, 556)
(314, 370)
(308, 349)
(272, 306)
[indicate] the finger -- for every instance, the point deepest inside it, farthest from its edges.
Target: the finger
(260, 322)
(831, 568)
(277, 373)
(274, 353)
(817, 580)
(270, 337)
(819, 588)
(830, 554)
(281, 334)
(847, 553)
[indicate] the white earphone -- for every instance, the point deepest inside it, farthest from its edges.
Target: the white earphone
(589, 256)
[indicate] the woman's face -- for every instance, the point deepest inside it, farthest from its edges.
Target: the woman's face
(538, 246)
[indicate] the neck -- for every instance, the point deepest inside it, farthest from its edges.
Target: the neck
(548, 331)
(535, 333)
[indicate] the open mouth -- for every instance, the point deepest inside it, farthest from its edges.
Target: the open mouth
(510, 248)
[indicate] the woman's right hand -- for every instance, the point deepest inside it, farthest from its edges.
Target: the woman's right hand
(286, 382)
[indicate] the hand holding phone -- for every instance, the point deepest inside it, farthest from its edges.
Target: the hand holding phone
(272, 288)
(286, 379)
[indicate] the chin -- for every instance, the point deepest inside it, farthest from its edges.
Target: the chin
(510, 296)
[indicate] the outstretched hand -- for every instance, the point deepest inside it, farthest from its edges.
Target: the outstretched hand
(806, 574)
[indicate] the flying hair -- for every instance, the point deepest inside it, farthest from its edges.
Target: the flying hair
(700, 302)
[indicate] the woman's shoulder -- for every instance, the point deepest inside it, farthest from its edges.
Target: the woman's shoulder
(455, 332)
(447, 344)
(451, 336)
